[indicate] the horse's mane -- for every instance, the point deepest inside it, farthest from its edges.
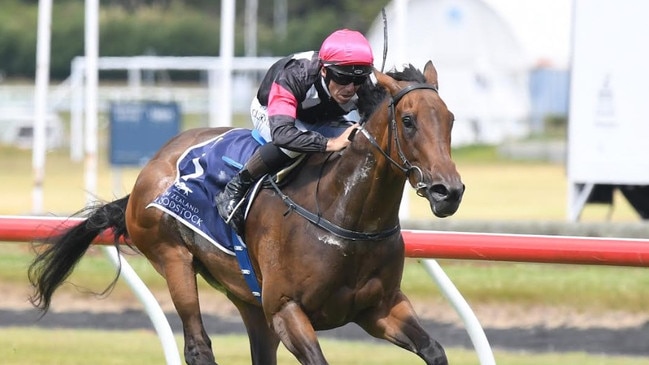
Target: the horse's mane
(370, 96)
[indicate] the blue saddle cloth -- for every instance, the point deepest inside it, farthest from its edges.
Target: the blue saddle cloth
(203, 171)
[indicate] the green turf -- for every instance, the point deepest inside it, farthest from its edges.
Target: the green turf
(31, 346)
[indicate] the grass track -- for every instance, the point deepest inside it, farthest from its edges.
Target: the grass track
(30, 346)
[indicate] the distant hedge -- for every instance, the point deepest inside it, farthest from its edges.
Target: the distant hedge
(148, 31)
(178, 30)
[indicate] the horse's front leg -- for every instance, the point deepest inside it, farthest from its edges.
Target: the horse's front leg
(397, 322)
(296, 333)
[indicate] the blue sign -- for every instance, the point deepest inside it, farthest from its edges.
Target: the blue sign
(139, 128)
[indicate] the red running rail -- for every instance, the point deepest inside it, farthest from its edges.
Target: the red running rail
(427, 244)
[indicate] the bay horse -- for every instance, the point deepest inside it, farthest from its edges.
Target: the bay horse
(311, 279)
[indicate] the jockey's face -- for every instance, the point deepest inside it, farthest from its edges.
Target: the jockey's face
(342, 94)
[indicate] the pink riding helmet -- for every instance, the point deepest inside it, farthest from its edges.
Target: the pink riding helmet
(347, 52)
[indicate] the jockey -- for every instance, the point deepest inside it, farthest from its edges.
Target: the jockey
(299, 99)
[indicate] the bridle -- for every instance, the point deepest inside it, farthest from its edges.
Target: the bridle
(405, 166)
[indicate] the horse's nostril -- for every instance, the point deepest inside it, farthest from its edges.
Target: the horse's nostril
(439, 189)
(443, 191)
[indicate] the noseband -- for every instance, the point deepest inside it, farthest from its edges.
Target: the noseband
(405, 166)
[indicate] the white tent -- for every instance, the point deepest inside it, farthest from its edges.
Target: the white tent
(483, 69)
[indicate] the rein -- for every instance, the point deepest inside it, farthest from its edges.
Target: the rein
(327, 225)
(406, 167)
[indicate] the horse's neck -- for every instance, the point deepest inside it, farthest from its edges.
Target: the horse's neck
(369, 188)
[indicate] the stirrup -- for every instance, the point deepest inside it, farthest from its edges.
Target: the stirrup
(234, 210)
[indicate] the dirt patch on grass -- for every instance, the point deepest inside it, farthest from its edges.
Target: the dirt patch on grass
(498, 315)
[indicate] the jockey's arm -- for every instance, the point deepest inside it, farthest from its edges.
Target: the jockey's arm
(282, 111)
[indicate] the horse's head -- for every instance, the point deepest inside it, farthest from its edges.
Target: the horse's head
(419, 137)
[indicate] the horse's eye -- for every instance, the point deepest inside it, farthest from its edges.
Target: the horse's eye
(407, 121)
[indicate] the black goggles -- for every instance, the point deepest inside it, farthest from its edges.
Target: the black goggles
(342, 79)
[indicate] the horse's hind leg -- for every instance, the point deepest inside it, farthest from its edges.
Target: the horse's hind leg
(263, 341)
(174, 262)
(181, 280)
(399, 324)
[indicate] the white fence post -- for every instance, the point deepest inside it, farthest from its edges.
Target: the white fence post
(473, 327)
(157, 316)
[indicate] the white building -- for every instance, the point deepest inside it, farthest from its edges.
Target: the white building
(482, 67)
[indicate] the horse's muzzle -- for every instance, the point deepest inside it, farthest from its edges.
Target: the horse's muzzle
(444, 198)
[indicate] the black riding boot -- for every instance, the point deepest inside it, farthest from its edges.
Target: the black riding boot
(267, 159)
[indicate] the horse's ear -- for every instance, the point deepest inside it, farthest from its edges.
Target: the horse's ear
(430, 73)
(387, 82)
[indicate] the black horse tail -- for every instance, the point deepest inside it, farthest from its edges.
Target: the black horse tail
(54, 264)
